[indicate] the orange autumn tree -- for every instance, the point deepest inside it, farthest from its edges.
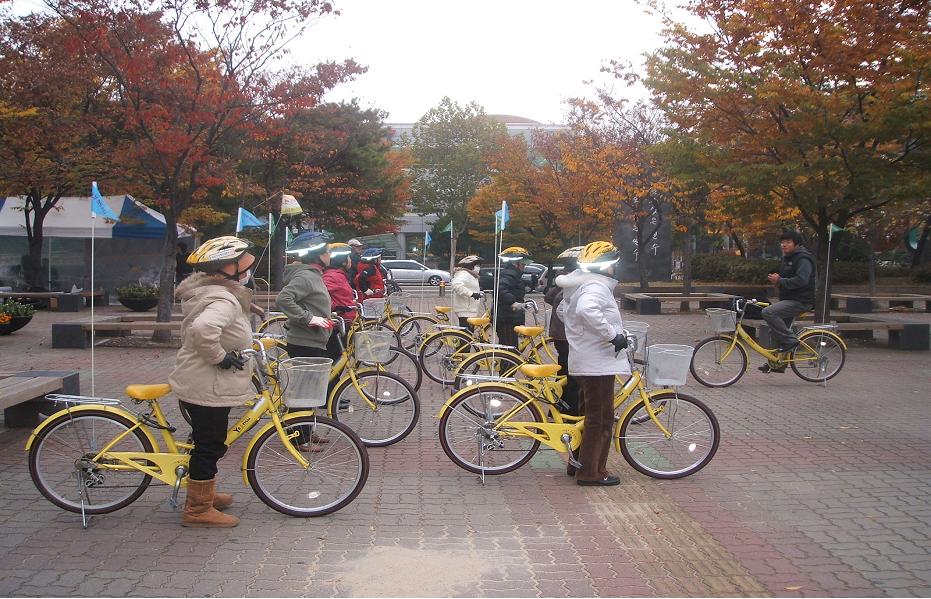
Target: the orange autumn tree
(554, 198)
(824, 105)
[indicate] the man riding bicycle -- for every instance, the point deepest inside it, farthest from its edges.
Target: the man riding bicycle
(796, 283)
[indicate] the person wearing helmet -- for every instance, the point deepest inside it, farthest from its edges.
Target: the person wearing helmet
(304, 299)
(370, 281)
(511, 289)
(357, 247)
(566, 262)
(594, 331)
(210, 376)
(466, 292)
(342, 297)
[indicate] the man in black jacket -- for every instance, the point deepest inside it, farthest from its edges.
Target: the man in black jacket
(796, 283)
(509, 303)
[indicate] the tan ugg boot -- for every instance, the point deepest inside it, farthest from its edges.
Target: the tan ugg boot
(199, 510)
(221, 501)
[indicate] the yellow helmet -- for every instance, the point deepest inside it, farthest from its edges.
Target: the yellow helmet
(598, 255)
(339, 249)
(514, 254)
(215, 253)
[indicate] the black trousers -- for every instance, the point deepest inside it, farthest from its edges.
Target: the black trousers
(463, 322)
(208, 429)
(570, 393)
(506, 334)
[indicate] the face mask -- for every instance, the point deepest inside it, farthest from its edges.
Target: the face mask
(476, 269)
(246, 276)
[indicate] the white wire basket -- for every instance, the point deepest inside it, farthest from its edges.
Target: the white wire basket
(722, 320)
(303, 381)
(373, 307)
(398, 299)
(372, 347)
(639, 330)
(667, 365)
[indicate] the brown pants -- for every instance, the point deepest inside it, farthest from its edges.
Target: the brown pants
(597, 403)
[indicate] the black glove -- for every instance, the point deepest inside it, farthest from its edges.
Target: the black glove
(477, 295)
(619, 342)
(232, 360)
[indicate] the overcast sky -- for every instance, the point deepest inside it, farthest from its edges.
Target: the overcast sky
(517, 57)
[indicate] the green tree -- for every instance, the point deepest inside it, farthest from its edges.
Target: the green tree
(449, 149)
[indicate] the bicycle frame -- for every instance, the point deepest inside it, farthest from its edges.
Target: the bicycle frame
(741, 336)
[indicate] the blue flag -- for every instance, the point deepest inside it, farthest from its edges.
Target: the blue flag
(502, 217)
(426, 240)
(246, 219)
(99, 207)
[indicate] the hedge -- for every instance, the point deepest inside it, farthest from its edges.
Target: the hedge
(721, 267)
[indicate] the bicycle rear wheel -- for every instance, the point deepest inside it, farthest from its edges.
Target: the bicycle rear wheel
(414, 330)
(818, 357)
(337, 472)
(60, 462)
(693, 442)
(441, 354)
(473, 440)
(382, 409)
(404, 364)
(712, 368)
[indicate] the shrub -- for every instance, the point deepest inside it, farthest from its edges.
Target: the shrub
(137, 291)
(922, 274)
(13, 308)
(719, 267)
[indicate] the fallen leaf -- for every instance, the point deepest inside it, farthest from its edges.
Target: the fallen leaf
(793, 588)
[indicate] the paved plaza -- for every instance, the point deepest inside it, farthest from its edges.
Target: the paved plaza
(815, 491)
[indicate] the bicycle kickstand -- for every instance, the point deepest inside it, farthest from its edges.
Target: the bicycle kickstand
(572, 461)
(82, 491)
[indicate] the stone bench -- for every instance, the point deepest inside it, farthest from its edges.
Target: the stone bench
(902, 334)
(77, 334)
(22, 394)
(651, 303)
(864, 304)
(60, 301)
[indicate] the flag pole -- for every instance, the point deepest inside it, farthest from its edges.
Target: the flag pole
(93, 364)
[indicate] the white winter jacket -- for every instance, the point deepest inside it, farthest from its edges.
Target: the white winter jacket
(464, 284)
(592, 320)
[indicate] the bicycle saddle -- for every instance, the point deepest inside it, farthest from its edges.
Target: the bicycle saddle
(478, 321)
(539, 371)
(443, 309)
(528, 331)
(147, 392)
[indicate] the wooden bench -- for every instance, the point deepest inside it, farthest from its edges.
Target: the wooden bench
(902, 334)
(651, 303)
(864, 304)
(77, 334)
(22, 394)
(60, 301)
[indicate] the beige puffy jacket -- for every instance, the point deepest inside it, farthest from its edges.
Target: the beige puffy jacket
(216, 320)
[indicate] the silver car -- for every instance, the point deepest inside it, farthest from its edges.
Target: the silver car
(411, 271)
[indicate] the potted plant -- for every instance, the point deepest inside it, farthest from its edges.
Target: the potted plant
(14, 316)
(138, 297)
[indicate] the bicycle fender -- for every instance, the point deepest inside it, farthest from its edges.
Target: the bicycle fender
(829, 333)
(491, 353)
(87, 408)
(490, 384)
(255, 438)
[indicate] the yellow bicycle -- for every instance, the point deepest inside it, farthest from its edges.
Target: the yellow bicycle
(95, 456)
(721, 360)
(497, 426)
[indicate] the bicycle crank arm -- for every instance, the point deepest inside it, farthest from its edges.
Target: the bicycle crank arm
(572, 461)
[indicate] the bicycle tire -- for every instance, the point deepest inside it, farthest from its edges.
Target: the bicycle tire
(403, 364)
(414, 329)
(460, 429)
(343, 449)
(819, 347)
(274, 325)
(346, 405)
(487, 363)
(437, 354)
(708, 352)
(644, 441)
(62, 490)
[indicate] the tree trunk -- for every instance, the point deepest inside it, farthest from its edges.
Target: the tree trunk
(687, 262)
(871, 268)
(454, 238)
(166, 279)
(823, 290)
(740, 246)
(276, 251)
(32, 261)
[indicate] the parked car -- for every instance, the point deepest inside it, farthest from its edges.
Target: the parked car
(534, 277)
(411, 271)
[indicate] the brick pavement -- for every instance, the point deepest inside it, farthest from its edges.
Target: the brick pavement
(814, 491)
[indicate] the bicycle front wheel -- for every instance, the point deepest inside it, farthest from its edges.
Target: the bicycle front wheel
(441, 354)
(414, 329)
(63, 468)
(818, 357)
(693, 440)
(712, 366)
(339, 467)
(404, 364)
(380, 407)
(478, 431)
